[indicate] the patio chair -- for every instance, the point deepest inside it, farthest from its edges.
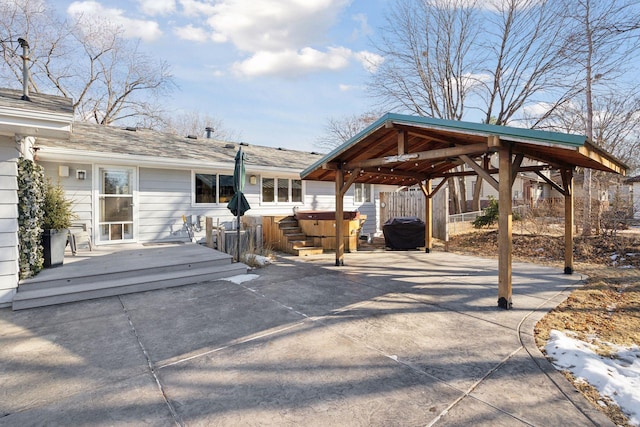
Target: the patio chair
(78, 234)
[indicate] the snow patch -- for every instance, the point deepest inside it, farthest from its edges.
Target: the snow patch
(259, 260)
(617, 377)
(241, 278)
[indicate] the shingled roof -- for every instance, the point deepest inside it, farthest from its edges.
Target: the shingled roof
(124, 142)
(37, 102)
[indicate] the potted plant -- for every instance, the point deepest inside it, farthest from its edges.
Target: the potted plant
(56, 222)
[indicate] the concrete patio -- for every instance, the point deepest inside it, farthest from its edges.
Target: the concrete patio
(391, 338)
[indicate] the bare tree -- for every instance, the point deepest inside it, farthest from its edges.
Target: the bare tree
(339, 130)
(441, 60)
(600, 43)
(429, 58)
(195, 123)
(109, 78)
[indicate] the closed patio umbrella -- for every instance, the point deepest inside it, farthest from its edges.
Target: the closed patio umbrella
(238, 204)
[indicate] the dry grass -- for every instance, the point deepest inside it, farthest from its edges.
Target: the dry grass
(605, 309)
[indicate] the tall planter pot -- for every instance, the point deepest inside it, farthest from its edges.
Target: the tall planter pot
(53, 245)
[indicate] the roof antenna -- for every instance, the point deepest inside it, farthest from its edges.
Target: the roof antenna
(25, 69)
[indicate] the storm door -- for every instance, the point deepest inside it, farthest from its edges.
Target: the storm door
(115, 204)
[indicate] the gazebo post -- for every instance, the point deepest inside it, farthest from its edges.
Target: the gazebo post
(339, 216)
(505, 243)
(567, 181)
(428, 215)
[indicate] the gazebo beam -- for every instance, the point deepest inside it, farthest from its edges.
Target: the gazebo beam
(602, 158)
(480, 171)
(441, 153)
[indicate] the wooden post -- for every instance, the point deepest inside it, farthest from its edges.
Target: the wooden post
(428, 215)
(339, 216)
(209, 231)
(567, 181)
(505, 243)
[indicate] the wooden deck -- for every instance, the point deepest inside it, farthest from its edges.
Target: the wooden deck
(115, 270)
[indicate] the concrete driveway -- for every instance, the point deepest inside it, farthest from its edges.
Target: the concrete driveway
(391, 338)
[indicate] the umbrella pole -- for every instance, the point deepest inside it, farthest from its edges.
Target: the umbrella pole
(238, 231)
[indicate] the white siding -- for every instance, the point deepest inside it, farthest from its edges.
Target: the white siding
(8, 220)
(164, 195)
(77, 190)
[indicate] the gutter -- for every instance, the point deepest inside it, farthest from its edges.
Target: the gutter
(74, 156)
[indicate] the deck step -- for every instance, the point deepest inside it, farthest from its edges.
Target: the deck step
(90, 288)
(98, 276)
(308, 250)
(302, 243)
(291, 230)
(296, 237)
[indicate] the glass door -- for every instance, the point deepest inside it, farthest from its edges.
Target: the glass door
(115, 196)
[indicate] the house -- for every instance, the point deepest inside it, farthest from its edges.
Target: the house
(23, 120)
(134, 185)
(635, 194)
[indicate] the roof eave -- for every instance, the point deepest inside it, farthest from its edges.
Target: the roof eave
(18, 121)
(75, 156)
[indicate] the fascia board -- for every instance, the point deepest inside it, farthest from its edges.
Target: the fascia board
(74, 156)
(16, 121)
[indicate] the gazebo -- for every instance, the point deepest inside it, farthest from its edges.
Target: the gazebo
(408, 150)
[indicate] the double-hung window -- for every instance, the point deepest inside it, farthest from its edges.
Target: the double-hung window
(281, 190)
(361, 193)
(212, 188)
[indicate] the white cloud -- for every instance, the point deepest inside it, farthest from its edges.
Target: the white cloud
(91, 13)
(191, 33)
(536, 110)
(196, 8)
(278, 37)
(157, 7)
(365, 29)
(370, 61)
(292, 63)
(346, 88)
(274, 24)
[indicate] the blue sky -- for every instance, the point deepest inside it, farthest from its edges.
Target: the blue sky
(272, 70)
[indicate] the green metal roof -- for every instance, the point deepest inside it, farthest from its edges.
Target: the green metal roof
(507, 133)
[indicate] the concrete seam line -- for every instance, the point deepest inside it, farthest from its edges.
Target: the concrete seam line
(468, 392)
(174, 414)
(233, 344)
(583, 409)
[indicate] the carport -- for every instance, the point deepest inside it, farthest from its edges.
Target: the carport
(409, 150)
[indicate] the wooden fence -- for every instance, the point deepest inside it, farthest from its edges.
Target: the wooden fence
(412, 203)
(400, 204)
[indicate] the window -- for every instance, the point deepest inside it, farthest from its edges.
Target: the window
(213, 188)
(267, 190)
(281, 190)
(226, 188)
(296, 191)
(362, 193)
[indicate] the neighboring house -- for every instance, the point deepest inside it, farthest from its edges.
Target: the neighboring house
(528, 188)
(22, 122)
(635, 194)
